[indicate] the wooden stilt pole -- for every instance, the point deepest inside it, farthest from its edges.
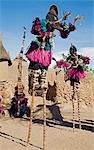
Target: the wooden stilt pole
(31, 114)
(73, 97)
(44, 117)
(31, 117)
(21, 58)
(78, 101)
(44, 90)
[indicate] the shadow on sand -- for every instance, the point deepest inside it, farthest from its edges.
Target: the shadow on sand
(17, 140)
(57, 119)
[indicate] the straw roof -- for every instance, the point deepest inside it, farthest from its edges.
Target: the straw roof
(4, 56)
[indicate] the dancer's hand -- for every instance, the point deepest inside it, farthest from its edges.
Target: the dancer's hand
(78, 18)
(66, 15)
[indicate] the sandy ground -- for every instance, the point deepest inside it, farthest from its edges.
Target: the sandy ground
(59, 134)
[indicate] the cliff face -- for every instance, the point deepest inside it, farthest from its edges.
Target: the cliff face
(64, 90)
(58, 89)
(87, 89)
(9, 78)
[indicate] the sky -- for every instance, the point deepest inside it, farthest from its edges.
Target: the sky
(14, 14)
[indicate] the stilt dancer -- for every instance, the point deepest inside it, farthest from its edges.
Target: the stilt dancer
(75, 70)
(40, 54)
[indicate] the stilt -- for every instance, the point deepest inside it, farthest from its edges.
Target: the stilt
(34, 82)
(78, 101)
(21, 58)
(31, 110)
(44, 90)
(31, 117)
(44, 117)
(73, 97)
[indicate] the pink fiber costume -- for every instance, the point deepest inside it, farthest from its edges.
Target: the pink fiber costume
(40, 50)
(74, 65)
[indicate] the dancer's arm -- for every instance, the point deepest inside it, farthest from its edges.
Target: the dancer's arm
(66, 15)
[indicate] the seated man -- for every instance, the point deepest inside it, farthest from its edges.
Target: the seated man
(14, 107)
